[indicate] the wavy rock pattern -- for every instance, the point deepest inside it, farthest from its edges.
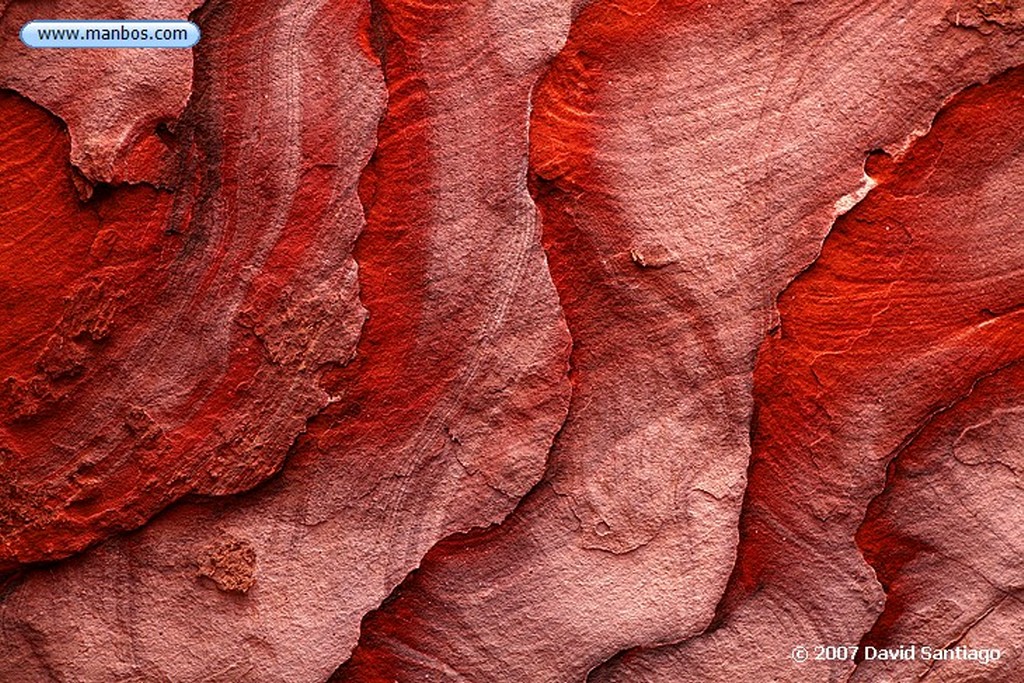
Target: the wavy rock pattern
(119, 105)
(179, 352)
(955, 489)
(908, 308)
(443, 420)
(681, 187)
(497, 341)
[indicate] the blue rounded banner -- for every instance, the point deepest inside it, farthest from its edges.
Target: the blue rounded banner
(110, 33)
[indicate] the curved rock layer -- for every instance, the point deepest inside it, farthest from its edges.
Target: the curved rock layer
(946, 519)
(445, 416)
(404, 341)
(681, 186)
(119, 105)
(901, 344)
(171, 342)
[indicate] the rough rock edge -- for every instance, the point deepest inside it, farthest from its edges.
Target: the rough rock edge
(83, 183)
(10, 580)
(890, 477)
(375, 11)
(841, 210)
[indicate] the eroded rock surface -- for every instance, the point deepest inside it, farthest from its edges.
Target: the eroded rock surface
(443, 420)
(890, 335)
(945, 542)
(119, 105)
(171, 341)
(500, 341)
(682, 185)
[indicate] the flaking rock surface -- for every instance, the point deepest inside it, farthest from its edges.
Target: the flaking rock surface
(437, 421)
(682, 186)
(506, 342)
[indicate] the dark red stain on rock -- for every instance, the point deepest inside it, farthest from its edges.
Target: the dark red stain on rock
(166, 342)
(881, 340)
(686, 159)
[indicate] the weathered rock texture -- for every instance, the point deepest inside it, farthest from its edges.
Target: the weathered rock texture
(966, 458)
(441, 423)
(892, 333)
(681, 186)
(119, 105)
(165, 342)
(626, 340)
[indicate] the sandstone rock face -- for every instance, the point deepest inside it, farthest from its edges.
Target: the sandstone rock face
(499, 342)
(172, 342)
(681, 187)
(905, 323)
(441, 423)
(118, 105)
(966, 457)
